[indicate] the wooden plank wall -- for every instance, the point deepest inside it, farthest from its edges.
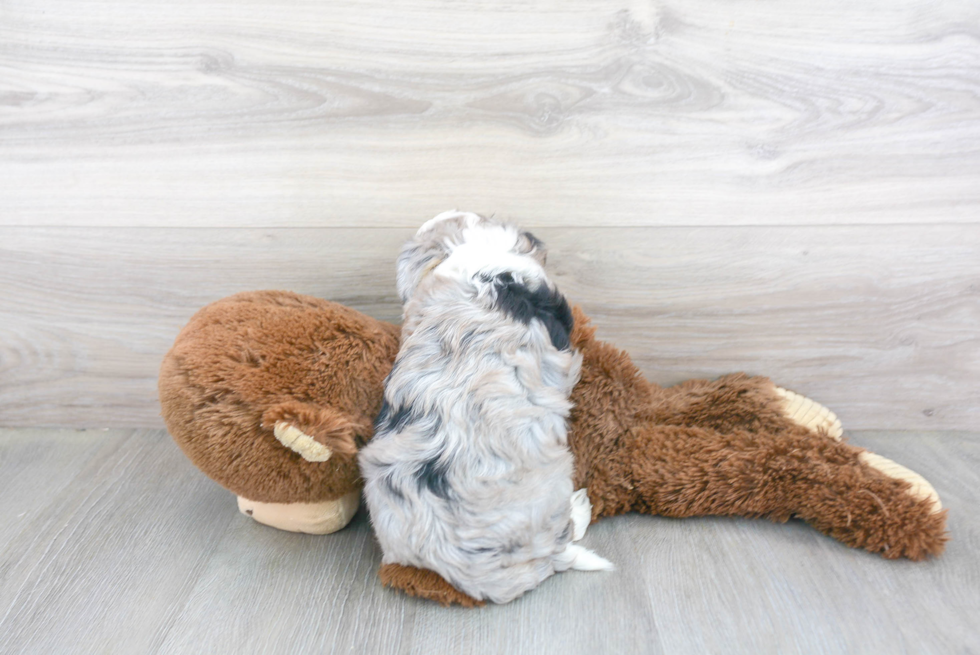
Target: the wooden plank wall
(788, 189)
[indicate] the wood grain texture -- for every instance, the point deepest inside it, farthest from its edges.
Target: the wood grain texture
(799, 578)
(139, 552)
(23, 501)
(563, 112)
(879, 325)
(112, 555)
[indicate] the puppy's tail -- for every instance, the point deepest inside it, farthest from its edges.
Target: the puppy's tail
(581, 559)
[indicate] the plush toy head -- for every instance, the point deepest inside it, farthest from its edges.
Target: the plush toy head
(270, 394)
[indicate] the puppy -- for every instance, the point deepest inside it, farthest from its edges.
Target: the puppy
(469, 472)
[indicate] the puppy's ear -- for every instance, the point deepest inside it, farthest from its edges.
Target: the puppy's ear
(528, 244)
(429, 247)
(415, 261)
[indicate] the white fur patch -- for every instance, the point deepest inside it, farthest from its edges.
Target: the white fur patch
(577, 558)
(488, 250)
(581, 514)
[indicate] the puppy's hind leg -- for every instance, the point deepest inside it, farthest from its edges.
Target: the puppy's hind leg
(579, 558)
(581, 514)
(574, 556)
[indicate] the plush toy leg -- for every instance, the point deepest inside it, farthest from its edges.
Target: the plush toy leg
(906, 518)
(919, 487)
(809, 414)
(818, 418)
(311, 518)
(841, 490)
(739, 401)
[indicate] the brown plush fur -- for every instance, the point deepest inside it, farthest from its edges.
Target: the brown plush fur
(724, 447)
(718, 447)
(243, 363)
(425, 584)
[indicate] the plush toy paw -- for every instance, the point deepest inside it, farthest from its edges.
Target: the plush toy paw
(581, 513)
(299, 442)
(816, 417)
(920, 488)
(310, 518)
(809, 414)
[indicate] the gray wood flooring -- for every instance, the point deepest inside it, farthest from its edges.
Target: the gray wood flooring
(113, 543)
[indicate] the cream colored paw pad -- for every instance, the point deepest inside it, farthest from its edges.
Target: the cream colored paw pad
(921, 489)
(310, 518)
(302, 443)
(812, 415)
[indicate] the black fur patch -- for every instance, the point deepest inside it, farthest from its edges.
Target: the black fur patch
(480, 550)
(393, 420)
(360, 440)
(523, 304)
(431, 475)
(511, 548)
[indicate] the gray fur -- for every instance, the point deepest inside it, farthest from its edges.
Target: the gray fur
(469, 473)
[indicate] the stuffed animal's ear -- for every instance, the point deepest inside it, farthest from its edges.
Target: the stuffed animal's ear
(316, 432)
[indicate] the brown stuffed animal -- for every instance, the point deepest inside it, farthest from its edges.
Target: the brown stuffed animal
(270, 394)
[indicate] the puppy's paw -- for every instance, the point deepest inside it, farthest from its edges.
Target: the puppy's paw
(578, 558)
(581, 514)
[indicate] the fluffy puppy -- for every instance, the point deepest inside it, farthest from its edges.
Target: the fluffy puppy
(469, 472)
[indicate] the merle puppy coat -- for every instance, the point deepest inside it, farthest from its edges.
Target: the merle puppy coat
(469, 472)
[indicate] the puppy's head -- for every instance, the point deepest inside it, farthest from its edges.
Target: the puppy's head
(462, 245)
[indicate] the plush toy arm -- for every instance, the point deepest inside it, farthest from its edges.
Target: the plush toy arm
(426, 584)
(301, 443)
(316, 432)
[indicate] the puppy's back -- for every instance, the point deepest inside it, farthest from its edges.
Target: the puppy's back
(469, 473)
